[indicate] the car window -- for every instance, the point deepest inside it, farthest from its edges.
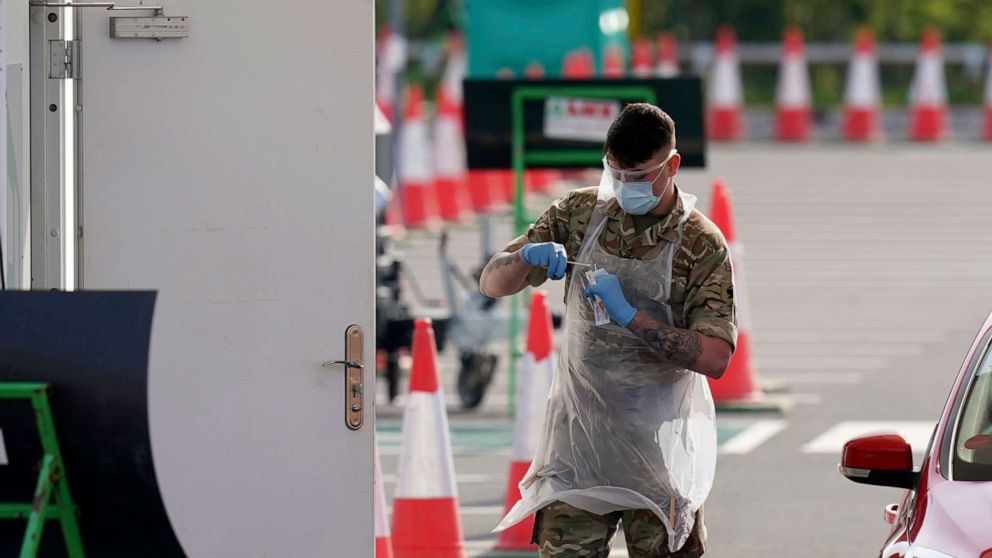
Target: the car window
(973, 442)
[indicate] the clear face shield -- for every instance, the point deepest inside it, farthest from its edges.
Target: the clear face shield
(634, 175)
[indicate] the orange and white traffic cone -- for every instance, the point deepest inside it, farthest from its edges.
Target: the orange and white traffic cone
(738, 384)
(506, 185)
(426, 523)
(862, 96)
(614, 65)
(414, 172)
(480, 190)
(726, 97)
(668, 55)
(578, 64)
(928, 91)
(383, 542)
(449, 156)
(641, 58)
(792, 97)
(988, 99)
(390, 59)
(536, 374)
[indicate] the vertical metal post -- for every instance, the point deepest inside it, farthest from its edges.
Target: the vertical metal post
(76, 112)
(47, 247)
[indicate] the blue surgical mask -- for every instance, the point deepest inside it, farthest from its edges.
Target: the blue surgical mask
(636, 197)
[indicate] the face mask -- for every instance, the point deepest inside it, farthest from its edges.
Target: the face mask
(636, 197)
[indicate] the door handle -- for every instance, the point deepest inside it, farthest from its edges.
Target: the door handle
(351, 363)
(354, 383)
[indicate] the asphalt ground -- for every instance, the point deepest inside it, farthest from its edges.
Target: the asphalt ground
(868, 270)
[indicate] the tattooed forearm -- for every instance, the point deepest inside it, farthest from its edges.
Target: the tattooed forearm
(505, 274)
(681, 346)
(503, 260)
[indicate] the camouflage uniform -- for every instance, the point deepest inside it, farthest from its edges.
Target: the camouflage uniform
(702, 284)
(561, 531)
(702, 300)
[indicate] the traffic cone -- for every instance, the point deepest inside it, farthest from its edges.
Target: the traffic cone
(988, 98)
(641, 58)
(506, 185)
(390, 59)
(738, 384)
(928, 91)
(455, 70)
(426, 523)
(726, 98)
(668, 55)
(792, 96)
(536, 374)
(383, 543)
(862, 96)
(480, 190)
(614, 65)
(578, 64)
(449, 155)
(414, 171)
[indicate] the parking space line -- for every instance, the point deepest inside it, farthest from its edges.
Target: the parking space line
(824, 378)
(752, 437)
(824, 363)
(916, 432)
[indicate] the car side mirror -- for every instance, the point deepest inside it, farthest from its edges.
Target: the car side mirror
(881, 458)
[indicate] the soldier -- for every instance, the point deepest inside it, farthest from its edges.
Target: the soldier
(629, 433)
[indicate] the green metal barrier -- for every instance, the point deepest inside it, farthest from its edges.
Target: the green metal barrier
(521, 158)
(52, 483)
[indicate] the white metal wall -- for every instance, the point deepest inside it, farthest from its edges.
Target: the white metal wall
(17, 182)
(232, 172)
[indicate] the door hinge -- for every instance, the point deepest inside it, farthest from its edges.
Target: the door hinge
(65, 59)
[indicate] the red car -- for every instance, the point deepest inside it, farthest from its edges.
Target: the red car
(946, 511)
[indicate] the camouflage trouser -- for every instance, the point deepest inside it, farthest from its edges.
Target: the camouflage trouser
(561, 530)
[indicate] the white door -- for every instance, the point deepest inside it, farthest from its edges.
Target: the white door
(232, 172)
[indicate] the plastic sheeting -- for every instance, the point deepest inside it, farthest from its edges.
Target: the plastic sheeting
(624, 429)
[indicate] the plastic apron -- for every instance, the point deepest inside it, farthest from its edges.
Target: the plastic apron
(624, 429)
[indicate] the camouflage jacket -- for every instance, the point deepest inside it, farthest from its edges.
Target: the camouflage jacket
(702, 280)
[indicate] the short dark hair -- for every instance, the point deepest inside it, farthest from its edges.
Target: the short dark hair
(638, 133)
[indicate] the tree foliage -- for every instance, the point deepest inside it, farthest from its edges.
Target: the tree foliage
(821, 20)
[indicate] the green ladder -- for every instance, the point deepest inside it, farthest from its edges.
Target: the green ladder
(52, 483)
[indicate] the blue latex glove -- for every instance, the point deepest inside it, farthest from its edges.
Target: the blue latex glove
(549, 255)
(609, 291)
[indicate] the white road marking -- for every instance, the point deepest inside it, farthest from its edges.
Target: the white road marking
(456, 451)
(823, 363)
(917, 433)
(752, 437)
(804, 398)
(771, 349)
(824, 378)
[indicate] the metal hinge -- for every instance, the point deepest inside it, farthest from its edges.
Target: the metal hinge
(65, 59)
